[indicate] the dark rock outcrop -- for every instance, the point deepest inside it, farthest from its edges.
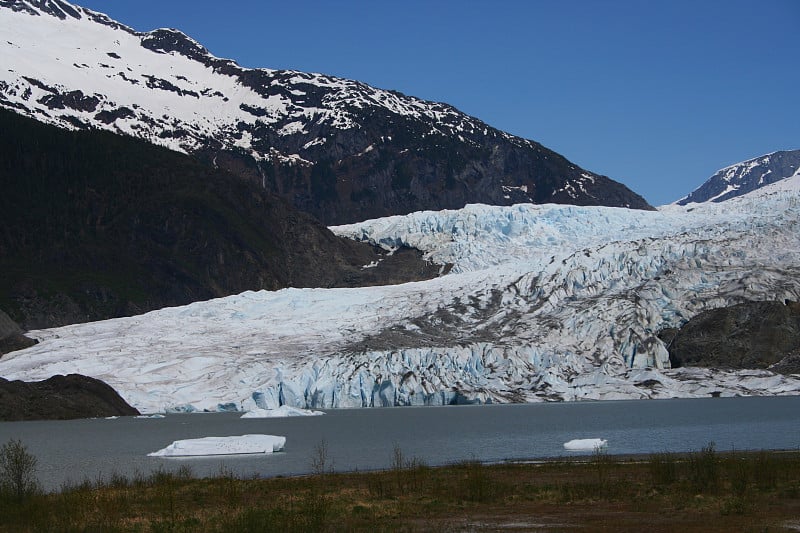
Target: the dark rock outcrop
(788, 365)
(747, 335)
(60, 398)
(365, 177)
(11, 336)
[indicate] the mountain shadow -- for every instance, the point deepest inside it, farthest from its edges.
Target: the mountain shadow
(96, 225)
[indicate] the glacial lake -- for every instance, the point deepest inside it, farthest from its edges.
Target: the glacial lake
(365, 439)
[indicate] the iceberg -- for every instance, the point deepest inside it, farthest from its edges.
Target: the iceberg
(583, 445)
(280, 412)
(236, 445)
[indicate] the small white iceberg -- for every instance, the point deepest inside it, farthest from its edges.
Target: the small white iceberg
(150, 416)
(583, 445)
(243, 444)
(280, 412)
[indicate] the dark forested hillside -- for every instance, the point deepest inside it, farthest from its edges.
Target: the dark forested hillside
(95, 225)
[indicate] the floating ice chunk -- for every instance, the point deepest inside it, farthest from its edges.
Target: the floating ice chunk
(580, 445)
(150, 416)
(244, 444)
(280, 412)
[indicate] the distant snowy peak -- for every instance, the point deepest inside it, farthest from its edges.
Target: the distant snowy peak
(338, 148)
(745, 177)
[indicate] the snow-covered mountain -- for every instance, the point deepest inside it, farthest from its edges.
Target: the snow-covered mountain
(544, 302)
(337, 148)
(746, 177)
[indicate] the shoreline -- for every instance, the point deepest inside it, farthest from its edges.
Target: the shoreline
(701, 491)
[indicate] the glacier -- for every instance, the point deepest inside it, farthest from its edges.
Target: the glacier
(541, 303)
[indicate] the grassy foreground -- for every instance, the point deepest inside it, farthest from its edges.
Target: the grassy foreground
(704, 491)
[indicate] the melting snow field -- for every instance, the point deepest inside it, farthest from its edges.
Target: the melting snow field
(244, 444)
(544, 302)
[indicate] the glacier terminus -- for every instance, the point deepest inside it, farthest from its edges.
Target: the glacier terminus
(542, 302)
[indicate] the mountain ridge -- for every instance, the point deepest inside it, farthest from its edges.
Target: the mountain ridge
(746, 176)
(337, 148)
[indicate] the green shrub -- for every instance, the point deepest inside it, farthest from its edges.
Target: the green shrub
(321, 462)
(18, 471)
(663, 468)
(704, 469)
(601, 463)
(478, 486)
(765, 471)
(739, 474)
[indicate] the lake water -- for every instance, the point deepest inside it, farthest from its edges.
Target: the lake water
(365, 439)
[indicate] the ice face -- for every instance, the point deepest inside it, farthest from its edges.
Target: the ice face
(543, 303)
(280, 412)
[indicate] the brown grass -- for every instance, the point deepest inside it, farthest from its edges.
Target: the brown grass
(700, 492)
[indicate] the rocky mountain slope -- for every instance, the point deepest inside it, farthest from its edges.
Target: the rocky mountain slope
(542, 303)
(11, 336)
(337, 148)
(745, 335)
(98, 225)
(746, 177)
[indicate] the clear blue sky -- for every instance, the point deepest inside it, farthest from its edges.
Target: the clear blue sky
(657, 95)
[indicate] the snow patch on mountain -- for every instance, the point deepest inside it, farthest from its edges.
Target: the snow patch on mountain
(165, 87)
(71, 67)
(543, 303)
